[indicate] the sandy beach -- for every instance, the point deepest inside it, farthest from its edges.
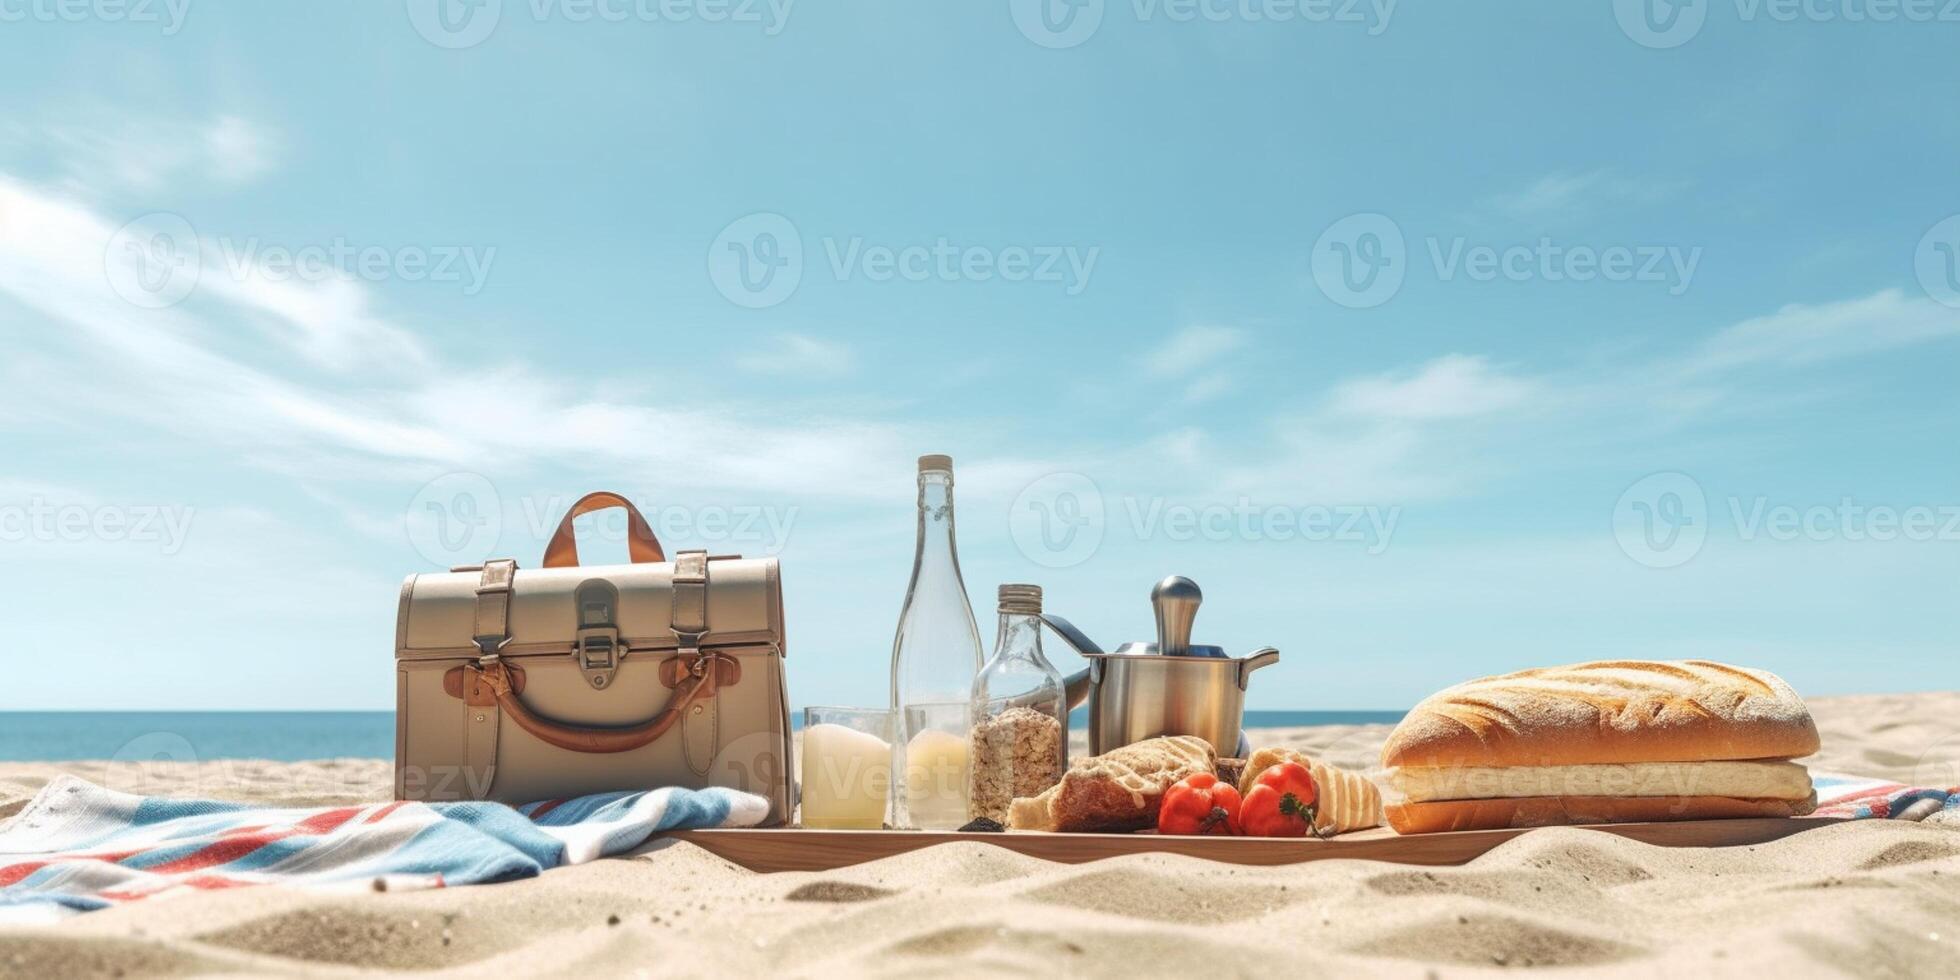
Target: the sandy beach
(1870, 899)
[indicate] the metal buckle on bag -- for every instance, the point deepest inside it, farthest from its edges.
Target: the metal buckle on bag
(597, 648)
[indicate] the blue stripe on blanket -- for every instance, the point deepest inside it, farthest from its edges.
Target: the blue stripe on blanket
(78, 847)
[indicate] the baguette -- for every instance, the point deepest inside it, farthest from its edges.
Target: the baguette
(1555, 811)
(1348, 800)
(1607, 712)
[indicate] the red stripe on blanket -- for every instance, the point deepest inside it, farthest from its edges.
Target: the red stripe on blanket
(382, 814)
(13, 874)
(546, 807)
(232, 848)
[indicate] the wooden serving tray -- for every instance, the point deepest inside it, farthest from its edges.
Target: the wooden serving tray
(824, 850)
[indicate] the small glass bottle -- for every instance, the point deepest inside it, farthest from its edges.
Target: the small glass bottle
(934, 657)
(1019, 738)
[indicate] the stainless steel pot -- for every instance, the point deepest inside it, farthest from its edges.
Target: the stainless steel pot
(1170, 687)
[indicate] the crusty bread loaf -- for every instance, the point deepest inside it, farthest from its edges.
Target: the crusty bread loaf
(1116, 791)
(1348, 800)
(1607, 712)
(1554, 811)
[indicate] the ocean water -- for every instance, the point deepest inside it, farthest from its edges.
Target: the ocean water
(292, 736)
(190, 736)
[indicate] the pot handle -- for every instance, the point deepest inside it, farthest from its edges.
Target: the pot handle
(1260, 658)
(1080, 683)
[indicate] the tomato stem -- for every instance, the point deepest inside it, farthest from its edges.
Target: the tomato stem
(1291, 805)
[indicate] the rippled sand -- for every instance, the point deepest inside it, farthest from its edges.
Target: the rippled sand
(1868, 899)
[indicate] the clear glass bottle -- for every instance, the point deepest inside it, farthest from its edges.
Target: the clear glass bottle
(934, 659)
(1019, 711)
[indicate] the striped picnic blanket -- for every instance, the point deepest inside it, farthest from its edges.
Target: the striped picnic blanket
(1857, 798)
(78, 847)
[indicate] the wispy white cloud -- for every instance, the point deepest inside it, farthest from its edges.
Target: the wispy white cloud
(1194, 353)
(1456, 386)
(188, 370)
(1567, 195)
(1207, 386)
(1192, 350)
(93, 150)
(799, 355)
(1801, 334)
(238, 149)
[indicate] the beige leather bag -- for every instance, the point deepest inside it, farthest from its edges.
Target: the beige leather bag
(520, 686)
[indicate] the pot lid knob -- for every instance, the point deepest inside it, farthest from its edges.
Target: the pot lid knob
(1176, 600)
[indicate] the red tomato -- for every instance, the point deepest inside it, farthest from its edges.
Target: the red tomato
(1281, 803)
(1199, 804)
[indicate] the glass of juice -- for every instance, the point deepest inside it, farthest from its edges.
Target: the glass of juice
(846, 768)
(935, 753)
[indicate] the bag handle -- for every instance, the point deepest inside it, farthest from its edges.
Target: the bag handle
(641, 545)
(700, 683)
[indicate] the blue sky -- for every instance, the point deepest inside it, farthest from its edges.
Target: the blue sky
(1452, 339)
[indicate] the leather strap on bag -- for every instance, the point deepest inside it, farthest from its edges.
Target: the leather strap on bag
(697, 687)
(701, 729)
(493, 605)
(641, 545)
(492, 633)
